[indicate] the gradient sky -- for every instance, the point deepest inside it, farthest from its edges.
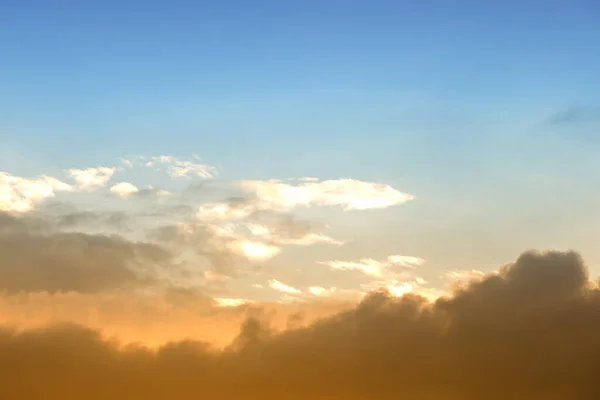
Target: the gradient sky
(299, 199)
(486, 112)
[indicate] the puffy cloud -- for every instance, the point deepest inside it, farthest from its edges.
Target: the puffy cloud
(349, 193)
(124, 189)
(20, 195)
(529, 331)
(91, 178)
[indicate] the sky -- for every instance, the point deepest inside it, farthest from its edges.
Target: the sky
(208, 181)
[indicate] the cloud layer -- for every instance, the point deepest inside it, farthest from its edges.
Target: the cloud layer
(34, 257)
(527, 331)
(110, 288)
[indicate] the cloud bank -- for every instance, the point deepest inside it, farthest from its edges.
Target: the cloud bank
(528, 331)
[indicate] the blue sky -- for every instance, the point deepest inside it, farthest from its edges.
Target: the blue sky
(487, 111)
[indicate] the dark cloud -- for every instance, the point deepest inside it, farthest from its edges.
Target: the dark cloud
(527, 332)
(36, 259)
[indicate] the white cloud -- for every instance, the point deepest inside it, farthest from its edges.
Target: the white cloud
(222, 211)
(374, 268)
(463, 275)
(406, 261)
(382, 273)
(367, 266)
(256, 250)
(124, 189)
(91, 178)
(348, 193)
(308, 239)
(19, 194)
(395, 288)
(257, 228)
(253, 241)
(282, 287)
(320, 291)
(230, 302)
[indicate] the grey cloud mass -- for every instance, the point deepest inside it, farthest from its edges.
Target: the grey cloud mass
(529, 331)
(36, 259)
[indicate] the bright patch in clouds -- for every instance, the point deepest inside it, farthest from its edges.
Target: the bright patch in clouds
(282, 287)
(222, 211)
(229, 302)
(257, 250)
(383, 274)
(321, 291)
(91, 178)
(21, 194)
(124, 189)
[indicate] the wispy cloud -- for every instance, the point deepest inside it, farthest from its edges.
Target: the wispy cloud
(348, 193)
(173, 166)
(374, 268)
(282, 287)
(575, 114)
